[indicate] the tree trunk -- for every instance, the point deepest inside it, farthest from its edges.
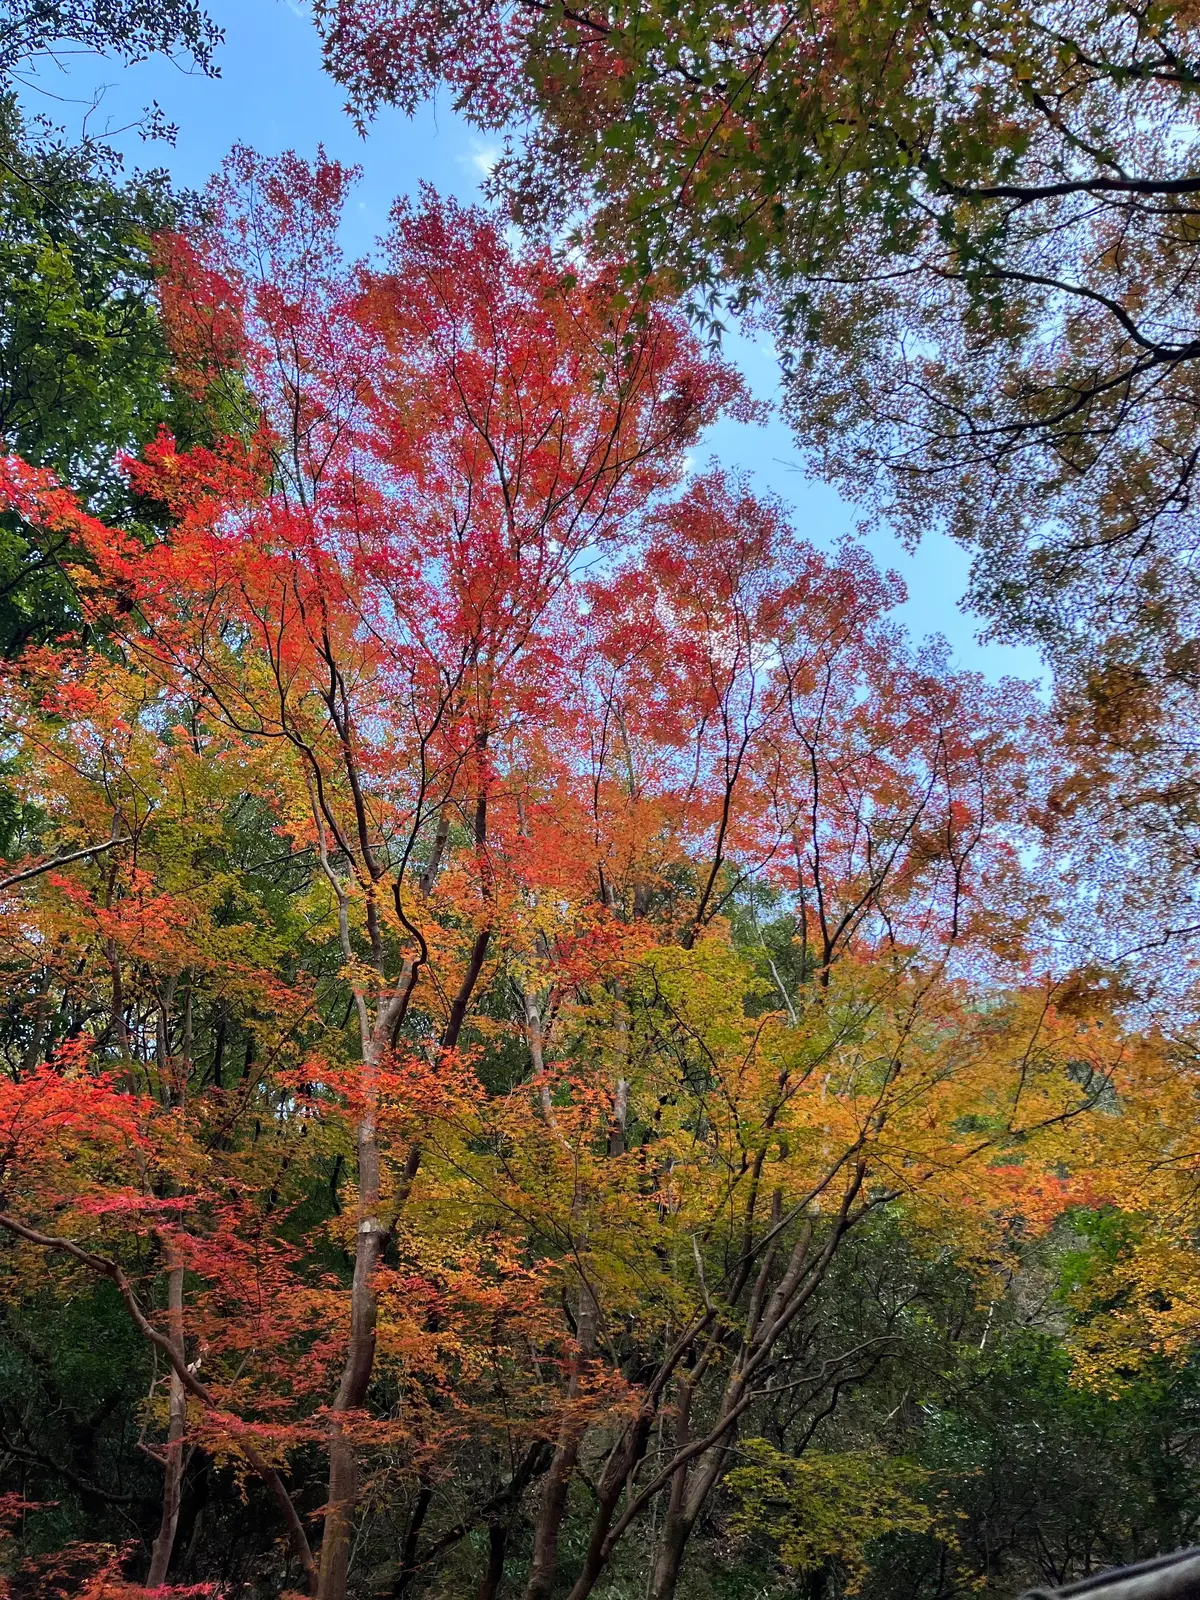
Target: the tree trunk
(613, 1483)
(360, 1356)
(41, 1021)
(616, 1132)
(497, 1548)
(173, 1087)
(562, 1469)
(412, 1537)
(160, 1555)
(669, 1559)
(668, 1552)
(553, 1506)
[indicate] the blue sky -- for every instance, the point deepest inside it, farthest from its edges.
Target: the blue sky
(272, 94)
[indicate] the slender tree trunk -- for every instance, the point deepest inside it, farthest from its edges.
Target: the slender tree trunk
(160, 1555)
(620, 1116)
(669, 1561)
(173, 1087)
(669, 1549)
(562, 1468)
(41, 1020)
(429, 876)
(557, 1487)
(360, 1354)
(120, 1027)
(412, 1537)
(613, 1482)
(497, 1549)
(342, 1500)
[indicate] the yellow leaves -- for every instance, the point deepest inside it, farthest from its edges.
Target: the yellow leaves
(822, 1506)
(1139, 1297)
(360, 977)
(970, 1113)
(1143, 1305)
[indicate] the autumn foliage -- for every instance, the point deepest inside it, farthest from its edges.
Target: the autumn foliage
(402, 1052)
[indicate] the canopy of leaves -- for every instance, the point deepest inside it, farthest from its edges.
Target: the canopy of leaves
(529, 1011)
(130, 29)
(973, 230)
(975, 225)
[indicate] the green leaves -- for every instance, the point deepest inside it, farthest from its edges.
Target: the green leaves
(131, 29)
